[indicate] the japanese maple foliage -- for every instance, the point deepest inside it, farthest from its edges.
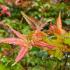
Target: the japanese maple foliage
(20, 41)
(23, 42)
(36, 38)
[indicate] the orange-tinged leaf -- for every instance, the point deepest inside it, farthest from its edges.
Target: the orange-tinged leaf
(57, 27)
(58, 24)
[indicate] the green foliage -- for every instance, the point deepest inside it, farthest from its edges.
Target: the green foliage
(67, 39)
(67, 21)
(2, 67)
(1, 1)
(16, 24)
(36, 59)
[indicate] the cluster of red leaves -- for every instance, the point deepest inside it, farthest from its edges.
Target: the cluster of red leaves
(4, 10)
(23, 42)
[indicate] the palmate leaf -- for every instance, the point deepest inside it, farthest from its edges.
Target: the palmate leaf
(55, 46)
(57, 30)
(38, 34)
(20, 43)
(23, 42)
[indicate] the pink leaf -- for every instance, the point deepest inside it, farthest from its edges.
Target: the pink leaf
(32, 22)
(52, 27)
(42, 25)
(20, 43)
(18, 34)
(43, 44)
(21, 54)
(14, 41)
(59, 21)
